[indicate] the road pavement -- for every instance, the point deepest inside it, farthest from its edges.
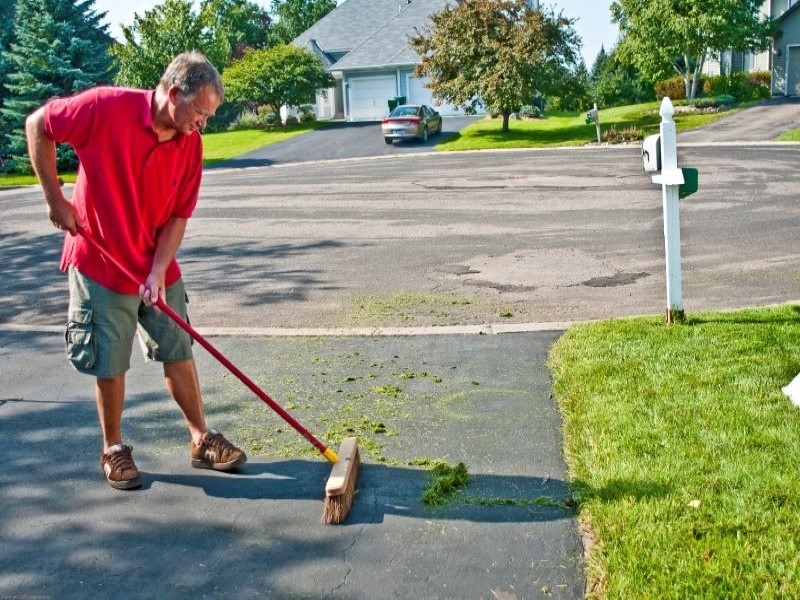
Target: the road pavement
(550, 236)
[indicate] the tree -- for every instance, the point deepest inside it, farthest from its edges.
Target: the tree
(662, 36)
(295, 16)
(615, 83)
(278, 76)
(160, 34)
(496, 52)
(6, 37)
(60, 48)
(241, 23)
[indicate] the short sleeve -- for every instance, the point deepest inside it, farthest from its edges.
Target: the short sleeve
(69, 120)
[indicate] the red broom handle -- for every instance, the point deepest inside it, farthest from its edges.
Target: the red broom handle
(327, 452)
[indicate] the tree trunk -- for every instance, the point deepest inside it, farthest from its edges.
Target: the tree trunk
(697, 70)
(506, 115)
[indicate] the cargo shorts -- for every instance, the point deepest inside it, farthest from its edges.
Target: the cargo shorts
(102, 324)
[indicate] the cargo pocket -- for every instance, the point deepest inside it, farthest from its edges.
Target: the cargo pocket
(80, 338)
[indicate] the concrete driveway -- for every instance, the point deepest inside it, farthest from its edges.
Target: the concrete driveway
(342, 140)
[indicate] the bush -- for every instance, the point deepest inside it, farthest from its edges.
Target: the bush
(307, 114)
(292, 120)
(674, 87)
(742, 86)
(617, 136)
(227, 114)
(266, 115)
(712, 102)
(530, 111)
(247, 120)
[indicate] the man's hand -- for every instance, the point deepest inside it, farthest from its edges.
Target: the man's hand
(153, 289)
(63, 216)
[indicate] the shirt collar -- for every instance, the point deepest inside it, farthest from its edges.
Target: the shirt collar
(147, 118)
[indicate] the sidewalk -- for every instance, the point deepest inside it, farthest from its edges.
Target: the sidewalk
(257, 534)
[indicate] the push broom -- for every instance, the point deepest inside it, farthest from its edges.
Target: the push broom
(340, 487)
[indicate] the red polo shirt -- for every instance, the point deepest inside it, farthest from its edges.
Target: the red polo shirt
(129, 184)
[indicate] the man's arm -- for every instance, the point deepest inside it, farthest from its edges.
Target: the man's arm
(169, 240)
(42, 151)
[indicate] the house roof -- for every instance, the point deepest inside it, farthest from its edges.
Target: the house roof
(373, 33)
(788, 12)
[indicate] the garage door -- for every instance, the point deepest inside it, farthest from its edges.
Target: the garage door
(419, 94)
(793, 72)
(369, 97)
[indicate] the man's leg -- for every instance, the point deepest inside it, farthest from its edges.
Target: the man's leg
(184, 385)
(209, 449)
(110, 395)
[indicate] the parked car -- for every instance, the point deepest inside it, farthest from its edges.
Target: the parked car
(411, 121)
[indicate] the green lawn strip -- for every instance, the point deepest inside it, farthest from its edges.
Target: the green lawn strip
(569, 129)
(790, 136)
(683, 452)
(230, 144)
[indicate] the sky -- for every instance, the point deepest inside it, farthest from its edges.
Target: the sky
(593, 23)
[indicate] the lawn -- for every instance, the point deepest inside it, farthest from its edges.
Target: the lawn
(683, 453)
(790, 136)
(568, 129)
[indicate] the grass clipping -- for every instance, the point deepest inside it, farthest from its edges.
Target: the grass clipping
(445, 481)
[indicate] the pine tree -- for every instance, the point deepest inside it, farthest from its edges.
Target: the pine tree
(6, 37)
(60, 48)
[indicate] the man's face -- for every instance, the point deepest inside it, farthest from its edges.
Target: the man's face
(191, 113)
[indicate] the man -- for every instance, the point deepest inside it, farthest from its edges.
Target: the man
(140, 167)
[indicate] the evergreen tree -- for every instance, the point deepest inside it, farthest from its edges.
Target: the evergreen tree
(60, 48)
(6, 37)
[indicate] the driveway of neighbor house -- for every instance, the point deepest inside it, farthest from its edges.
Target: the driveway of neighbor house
(342, 140)
(761, 123)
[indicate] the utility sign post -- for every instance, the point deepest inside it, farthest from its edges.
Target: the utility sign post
(660, 153)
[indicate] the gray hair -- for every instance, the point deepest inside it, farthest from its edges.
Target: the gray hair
(191, 72)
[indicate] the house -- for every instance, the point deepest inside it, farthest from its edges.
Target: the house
(364, 44)
(783, 59)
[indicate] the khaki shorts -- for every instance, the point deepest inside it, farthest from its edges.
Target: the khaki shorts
(102, 324)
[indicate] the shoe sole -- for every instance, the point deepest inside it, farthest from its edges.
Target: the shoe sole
(128, 484)
(204, 464)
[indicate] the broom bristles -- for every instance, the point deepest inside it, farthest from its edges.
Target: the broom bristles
(341, 487)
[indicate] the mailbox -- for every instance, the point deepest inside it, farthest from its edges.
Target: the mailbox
(591, 116)
(651, 153)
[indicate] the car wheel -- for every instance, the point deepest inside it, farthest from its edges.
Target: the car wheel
(387, 140)
(424, 136)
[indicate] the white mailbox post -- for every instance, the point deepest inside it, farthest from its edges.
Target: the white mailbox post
(671, 178)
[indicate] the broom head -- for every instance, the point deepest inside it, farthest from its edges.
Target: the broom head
(341, 486)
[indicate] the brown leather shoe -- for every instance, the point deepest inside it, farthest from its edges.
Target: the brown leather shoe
(120, 470)
(215, 452)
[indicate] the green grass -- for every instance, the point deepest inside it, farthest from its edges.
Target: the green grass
(567, 129)
(790, 136)
(684, 454)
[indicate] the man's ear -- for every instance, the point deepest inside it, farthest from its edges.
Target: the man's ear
(172, 94)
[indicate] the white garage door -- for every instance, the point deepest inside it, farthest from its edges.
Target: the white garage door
(419, 94)
(369, 97)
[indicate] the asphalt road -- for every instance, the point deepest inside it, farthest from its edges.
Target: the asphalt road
(453, 239)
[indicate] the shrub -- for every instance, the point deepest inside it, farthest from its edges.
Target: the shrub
(247, 120)
(266, 115)
(227, 114)
(712, 101)
(674, 87)
(292, 120)
(742, 86)
(620, 136)
(530, 111)
(307, 114)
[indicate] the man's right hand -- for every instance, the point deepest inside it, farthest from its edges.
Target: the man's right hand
(63, 215)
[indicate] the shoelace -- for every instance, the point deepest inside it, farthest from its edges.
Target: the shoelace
(121, 460)
(215, 441)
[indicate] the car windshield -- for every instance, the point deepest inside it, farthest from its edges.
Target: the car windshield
(404, 111)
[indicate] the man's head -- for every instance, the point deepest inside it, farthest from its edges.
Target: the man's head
(194, 90)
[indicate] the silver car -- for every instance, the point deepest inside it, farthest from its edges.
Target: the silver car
(411, 121)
